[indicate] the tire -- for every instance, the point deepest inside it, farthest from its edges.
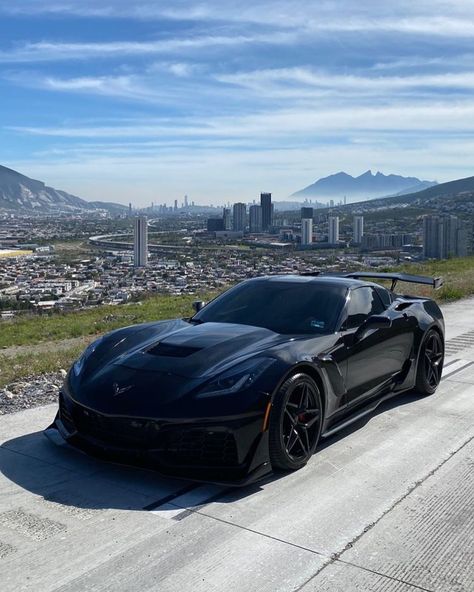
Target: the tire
(295, 423)
(430, 363)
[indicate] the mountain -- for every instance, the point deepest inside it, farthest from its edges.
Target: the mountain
(459, 188)
(366, 186)
(18, 192)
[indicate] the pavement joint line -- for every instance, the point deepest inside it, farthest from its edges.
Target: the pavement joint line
(458, 370)
(457, 365)
(336, 557)
(47, 462)
(451, 362)
(170, 497)
(383, 575)
(460, 381)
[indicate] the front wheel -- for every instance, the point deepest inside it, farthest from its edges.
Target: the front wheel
(295, 423)
(430, 363)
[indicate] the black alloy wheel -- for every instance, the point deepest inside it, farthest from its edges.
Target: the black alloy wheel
(295, 423)
(430, 363)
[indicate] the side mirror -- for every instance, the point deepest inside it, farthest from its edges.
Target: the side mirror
(198, 304)
(373, 322)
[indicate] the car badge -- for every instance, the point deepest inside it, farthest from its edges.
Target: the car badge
(117, 390)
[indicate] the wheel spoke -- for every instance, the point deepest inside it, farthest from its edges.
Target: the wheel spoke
(290, 417)
(292, 440)
(311, 422)
(304, 397)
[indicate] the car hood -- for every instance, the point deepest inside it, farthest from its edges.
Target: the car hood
(195, 351)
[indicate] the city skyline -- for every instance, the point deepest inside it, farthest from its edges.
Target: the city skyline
(140, 102)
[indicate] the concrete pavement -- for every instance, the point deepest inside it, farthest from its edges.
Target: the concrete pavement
(386, 505)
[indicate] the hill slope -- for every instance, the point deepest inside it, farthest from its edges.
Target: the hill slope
(442, 190)
(366, 185)
(19, 192)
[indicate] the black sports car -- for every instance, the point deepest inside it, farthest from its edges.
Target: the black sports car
(255, 378)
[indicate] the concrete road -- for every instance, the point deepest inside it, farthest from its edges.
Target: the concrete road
(386, 505)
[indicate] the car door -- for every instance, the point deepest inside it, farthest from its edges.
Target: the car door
(370, 359)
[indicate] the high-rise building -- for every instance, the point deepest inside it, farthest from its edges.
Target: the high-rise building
(306, 226)
(130, 209)
(267, 211)
(333, 231)
(185, 201)
(240, 216)
(443, 237)
(255, 218)
(215, 224)
(226, 218)
(175, 205)
(140, 241)
(358, 229)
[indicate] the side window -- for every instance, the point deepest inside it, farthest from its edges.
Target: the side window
(364, 302)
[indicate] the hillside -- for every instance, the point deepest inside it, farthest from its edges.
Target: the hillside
(18, 192)
(366, 185)
(448, 190)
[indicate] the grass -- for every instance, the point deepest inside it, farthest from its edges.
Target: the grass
(24, 365)
(29, 330)
(458, 275)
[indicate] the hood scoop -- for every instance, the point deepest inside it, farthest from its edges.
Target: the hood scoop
(172, 351)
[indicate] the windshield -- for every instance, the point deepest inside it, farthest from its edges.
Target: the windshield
(283, 307)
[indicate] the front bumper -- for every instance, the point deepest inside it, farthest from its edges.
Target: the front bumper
(231, 451)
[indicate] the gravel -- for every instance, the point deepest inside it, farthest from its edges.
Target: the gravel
(31, 391)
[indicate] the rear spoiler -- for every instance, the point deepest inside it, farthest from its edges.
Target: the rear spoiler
(436, 283)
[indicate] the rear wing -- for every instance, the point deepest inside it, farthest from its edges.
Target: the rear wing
(435, 283)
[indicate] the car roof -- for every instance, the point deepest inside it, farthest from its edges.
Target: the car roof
(329, 280)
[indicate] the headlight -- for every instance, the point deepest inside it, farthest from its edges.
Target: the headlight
(90, 349)
(237, 378)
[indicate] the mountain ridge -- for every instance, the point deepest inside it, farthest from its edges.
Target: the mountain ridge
(19, 192)
(367, 184)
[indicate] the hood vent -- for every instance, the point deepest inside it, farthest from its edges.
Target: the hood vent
(172, 351)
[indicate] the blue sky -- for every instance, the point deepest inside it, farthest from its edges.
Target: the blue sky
(140, 101)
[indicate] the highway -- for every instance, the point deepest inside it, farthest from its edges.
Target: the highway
(386, 505)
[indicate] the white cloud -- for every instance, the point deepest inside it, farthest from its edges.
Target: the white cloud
(60, 51)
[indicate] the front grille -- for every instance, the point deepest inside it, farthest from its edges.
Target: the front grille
(175, 445)
(201, 447)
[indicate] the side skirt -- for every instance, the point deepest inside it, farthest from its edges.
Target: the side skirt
(359, 413)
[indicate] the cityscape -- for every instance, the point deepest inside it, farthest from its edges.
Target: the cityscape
(115, 259)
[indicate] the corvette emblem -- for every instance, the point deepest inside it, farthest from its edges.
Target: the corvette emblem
(117, 390)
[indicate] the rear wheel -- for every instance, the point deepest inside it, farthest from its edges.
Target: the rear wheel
(430, 363)
(295, 423)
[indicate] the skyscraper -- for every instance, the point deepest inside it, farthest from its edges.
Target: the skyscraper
(333, 231)
(443, 237)
(226, 218)
(267, 211)
(358, 229)
(255, 218)
(185, 201)
(306, 226)
(130, 209)
(175, 205)
(140, 241)
(240, 215)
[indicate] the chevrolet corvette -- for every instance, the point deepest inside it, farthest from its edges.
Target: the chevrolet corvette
(254, 380)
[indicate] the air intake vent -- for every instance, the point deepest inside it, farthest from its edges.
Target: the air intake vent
(172, 351)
